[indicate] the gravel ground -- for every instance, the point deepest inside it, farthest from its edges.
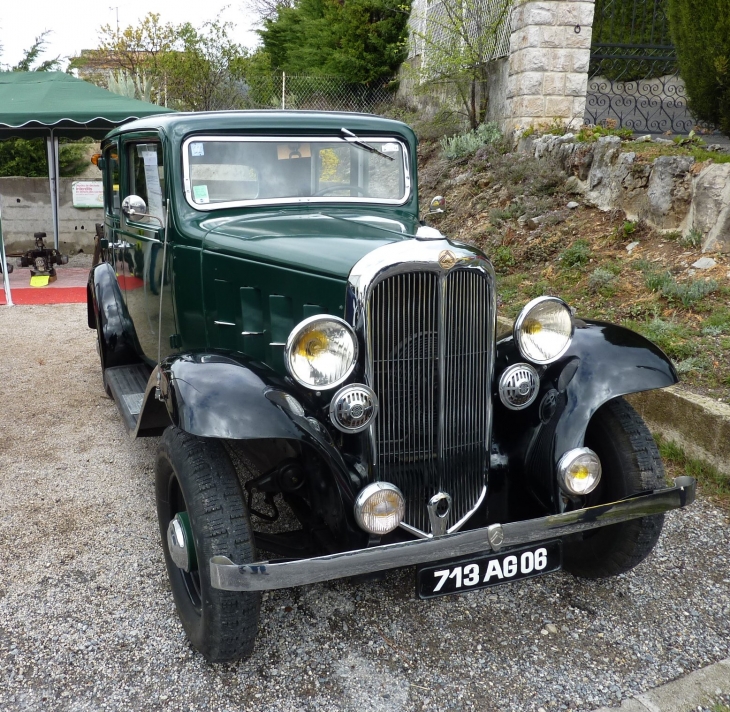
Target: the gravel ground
(87, 620)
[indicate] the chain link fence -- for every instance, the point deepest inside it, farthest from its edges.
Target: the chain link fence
(308, 92)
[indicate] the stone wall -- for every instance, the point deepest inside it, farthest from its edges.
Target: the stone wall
(26, 208)
(543, 78)
(548, 64)
(673, 193)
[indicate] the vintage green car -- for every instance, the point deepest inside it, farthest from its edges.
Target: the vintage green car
(267, 294)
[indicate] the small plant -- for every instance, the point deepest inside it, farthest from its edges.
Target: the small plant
(689, 140)
(718, 320)
(503, 257)
(642, 265)
(576, 255)
(628, 228)
(466, 144)
(693, 363)
(692, 239)
(671, 337)
(601, 279)
(687, 293)
(711, 330)
(590, 134)
(714, 483)
(499, 215)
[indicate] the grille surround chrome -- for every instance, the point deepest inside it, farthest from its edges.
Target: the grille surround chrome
(419, 257)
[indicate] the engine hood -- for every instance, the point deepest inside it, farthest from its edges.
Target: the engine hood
(327, 243)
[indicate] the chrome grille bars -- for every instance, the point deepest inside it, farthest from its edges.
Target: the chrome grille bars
(428, 326)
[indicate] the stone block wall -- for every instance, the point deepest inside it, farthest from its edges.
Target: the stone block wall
(550, 50)
(26, 208)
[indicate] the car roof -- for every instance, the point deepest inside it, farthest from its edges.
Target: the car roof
(180, 124)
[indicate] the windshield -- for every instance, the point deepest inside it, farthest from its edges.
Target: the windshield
(222, 171)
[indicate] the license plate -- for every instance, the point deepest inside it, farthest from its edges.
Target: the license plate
(469, 574)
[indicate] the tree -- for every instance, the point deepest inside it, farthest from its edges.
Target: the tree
(172, 64)
(701, 33)
(20, 157)
(201, 74)
(33, 53)
(458, 38)
(363, 41)
(267, 9)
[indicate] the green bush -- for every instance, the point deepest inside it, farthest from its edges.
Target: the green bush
(27, 158)
(701, 33)
(577, 254)
(687, 293)
(466, 144)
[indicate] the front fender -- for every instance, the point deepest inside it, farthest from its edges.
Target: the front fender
(609, 361)
(604, 361)
(117, 335)
(235, 398)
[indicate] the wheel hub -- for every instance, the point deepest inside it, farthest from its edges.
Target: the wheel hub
(180, 542)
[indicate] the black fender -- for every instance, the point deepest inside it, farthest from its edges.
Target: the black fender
(108, 312)
(604, 361)
(235, 398)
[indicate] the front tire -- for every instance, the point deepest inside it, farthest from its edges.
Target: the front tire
(196, 476)
(631, 463)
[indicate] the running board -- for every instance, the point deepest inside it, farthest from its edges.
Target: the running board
(128, 386)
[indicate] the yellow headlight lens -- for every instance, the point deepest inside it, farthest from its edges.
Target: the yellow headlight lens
(579, 471)
(321, 352)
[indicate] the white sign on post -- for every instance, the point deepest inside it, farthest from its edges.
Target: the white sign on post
(87, 194)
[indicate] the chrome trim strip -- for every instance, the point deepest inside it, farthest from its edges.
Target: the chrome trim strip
(224, 323)
(262, 575)
(207, 207)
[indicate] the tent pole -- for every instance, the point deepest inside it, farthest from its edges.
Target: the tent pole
(52, 152)
(4, 265)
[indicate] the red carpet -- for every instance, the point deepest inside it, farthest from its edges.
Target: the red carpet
(69, 288)
(44, 295)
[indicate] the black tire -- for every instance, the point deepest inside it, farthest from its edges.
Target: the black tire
(631, 463)
(196, 475)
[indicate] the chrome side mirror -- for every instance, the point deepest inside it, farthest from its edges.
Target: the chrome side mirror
(133, 206)
(437, 204)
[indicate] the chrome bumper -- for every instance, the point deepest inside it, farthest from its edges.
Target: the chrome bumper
(261, 576)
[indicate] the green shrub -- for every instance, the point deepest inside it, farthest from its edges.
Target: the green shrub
(671, 337)
(27, 158)
(503, 257)
(465, 144)
(701, 34)
(692, 239)
(601, 279)
(687, 293)
(577, 254)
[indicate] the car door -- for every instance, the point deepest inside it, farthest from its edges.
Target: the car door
(141, 237)
(112, 201)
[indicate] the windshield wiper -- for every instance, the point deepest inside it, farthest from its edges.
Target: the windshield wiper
(352, 138)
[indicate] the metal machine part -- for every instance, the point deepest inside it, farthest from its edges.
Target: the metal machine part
(41, 259)
(353, 408)
(518, 386)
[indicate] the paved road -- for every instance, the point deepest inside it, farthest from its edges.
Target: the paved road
(87, 621)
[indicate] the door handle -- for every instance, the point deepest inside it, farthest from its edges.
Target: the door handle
(121, 245)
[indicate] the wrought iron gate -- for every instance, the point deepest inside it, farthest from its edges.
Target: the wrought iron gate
(633, 77)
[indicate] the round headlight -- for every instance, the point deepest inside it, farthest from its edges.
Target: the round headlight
(544, 329)
(380, 508)
(579, 471)
(321, 352)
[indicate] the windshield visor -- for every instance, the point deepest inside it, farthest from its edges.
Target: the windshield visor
(225, 171)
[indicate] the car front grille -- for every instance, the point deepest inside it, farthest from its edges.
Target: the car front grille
(429, 338)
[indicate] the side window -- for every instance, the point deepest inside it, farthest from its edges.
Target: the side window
(147, 176)
(111, 187)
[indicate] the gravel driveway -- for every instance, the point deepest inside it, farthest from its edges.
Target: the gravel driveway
(87, 621)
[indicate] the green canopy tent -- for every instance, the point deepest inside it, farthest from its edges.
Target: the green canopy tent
(54, 105)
